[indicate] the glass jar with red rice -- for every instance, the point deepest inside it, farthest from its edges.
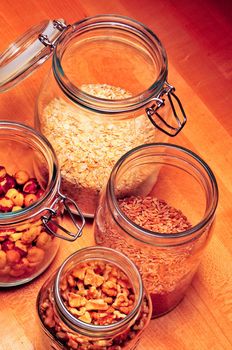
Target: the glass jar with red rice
(159, 208)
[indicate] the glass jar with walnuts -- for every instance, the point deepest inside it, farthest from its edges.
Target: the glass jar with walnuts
(94, 301)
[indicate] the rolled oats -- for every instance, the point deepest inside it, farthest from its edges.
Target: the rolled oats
(88, 147)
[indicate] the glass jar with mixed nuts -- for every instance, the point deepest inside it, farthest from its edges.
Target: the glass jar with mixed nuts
(158, 208)
(31, 205)
(96, 301)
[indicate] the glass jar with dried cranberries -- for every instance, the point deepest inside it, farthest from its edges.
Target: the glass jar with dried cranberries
(31, 205)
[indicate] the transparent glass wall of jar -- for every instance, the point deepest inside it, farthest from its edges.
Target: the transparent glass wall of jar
(62, 326)
(29, 187)
(172, 190)
(92, 106)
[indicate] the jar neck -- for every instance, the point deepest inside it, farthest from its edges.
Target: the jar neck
(45, 167)
(173, 154)
(112, 257)
(123, 30)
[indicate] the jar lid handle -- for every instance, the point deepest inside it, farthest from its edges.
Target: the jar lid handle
(28, 52)
(178, 117)
(51, 224)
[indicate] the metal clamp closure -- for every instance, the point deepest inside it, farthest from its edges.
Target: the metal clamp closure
(161, 123)
(44, 38)
(52, 225)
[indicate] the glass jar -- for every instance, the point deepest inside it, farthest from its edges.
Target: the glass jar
(31, 205)
(158, 208)
(63, 330)
(107, 92)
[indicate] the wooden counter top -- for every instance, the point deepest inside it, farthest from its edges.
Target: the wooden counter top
(198, 38)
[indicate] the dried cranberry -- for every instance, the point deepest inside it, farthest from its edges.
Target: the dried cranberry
(7, 245)
(31, 186)
(40, 193)
(21, 252)
(10, 182)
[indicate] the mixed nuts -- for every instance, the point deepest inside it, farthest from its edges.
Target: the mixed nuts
(24, 247)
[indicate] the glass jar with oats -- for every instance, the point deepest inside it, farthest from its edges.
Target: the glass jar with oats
(107, 93)
(96, 300)
(158, 208)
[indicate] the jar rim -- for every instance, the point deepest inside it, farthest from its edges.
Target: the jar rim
(45, 146)
(189, 233)
(83, 327)
(102, 105)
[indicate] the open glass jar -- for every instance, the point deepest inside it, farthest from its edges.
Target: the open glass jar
(158, 208)
(107, 93)
(31, 205)
(96, 301)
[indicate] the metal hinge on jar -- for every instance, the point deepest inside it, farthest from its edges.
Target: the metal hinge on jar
(29, 51)
(160, 123)
(61, 26)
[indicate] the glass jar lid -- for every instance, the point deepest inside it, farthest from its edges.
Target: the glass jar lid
(28, 52)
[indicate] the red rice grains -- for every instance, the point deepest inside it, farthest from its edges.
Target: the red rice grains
(166, 270)
(154, 214)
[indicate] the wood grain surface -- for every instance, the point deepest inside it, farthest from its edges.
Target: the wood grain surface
(198, 38)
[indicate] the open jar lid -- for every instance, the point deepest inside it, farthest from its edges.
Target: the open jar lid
(28, 52)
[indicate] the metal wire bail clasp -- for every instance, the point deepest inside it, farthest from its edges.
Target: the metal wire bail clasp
(51, 224)
(158, 121)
